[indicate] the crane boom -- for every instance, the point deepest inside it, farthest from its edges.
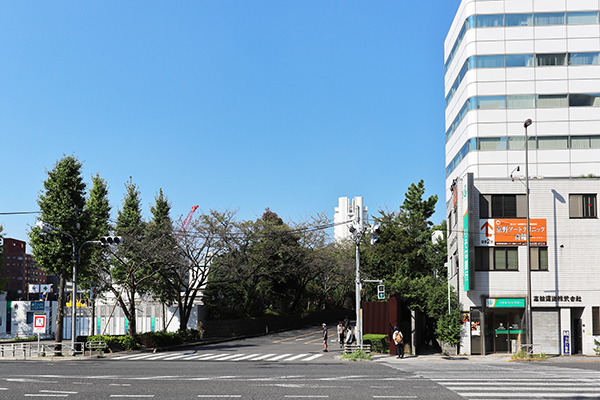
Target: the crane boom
(187, 219)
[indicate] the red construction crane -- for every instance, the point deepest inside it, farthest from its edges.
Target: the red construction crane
(187, 220)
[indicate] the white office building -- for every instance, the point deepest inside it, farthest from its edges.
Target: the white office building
(506, 62)
(348, 210)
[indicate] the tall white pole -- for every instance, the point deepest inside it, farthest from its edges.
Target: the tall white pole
(358, 290)
(528, 302)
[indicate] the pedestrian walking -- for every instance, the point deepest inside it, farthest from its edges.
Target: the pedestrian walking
(325, 336)
(399, 342)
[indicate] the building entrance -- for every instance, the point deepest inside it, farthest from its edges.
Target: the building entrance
(504, 330)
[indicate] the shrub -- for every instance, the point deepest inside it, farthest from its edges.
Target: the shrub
(379, 343)
(358, 355)
(117, 343)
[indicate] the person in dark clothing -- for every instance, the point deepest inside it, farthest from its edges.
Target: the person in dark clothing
(325, 336)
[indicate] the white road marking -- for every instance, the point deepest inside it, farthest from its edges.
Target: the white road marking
(226, 357)
(313, 357)
(261, 357)
(279, 357)
(296, 357)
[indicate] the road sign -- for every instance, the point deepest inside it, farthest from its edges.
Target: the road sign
(39, 324)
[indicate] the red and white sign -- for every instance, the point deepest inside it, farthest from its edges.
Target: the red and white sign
(39, 324)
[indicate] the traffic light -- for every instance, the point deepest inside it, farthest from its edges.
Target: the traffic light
(381, 292)
(375, 232)
(110, 240)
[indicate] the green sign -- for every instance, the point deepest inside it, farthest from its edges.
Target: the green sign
(506, 303)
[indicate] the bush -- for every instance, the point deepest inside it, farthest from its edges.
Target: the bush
(117, 343)
(159, 339)
(379, 343)
(357, 355)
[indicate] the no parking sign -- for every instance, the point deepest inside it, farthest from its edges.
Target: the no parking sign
(39, 324)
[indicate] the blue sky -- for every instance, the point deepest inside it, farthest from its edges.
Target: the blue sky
(236, 105)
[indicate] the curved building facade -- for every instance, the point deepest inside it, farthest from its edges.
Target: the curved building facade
(508, 61)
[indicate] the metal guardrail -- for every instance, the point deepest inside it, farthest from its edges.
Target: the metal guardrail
(98, 345)
(35, 349)
(351, 348)
(531, 348)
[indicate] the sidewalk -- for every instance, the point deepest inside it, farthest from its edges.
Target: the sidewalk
(487, 358)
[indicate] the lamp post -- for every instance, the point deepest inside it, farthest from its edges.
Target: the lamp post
(49, 229)
(358, 230)
(528, 309)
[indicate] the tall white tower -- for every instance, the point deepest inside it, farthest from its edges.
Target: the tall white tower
(348, 210)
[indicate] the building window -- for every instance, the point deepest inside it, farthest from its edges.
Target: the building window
(519, 19)
(543, 60)
(519, 60)
(539, 259)
(544, 19)
(489, 21)
(502, 206)
(552, 100)
(580, 18)
(595, 321)
(496, 259)
(582, 206)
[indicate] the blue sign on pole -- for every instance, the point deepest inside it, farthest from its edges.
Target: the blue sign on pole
(566, 343)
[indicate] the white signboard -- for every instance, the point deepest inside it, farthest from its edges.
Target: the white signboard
(39, 324)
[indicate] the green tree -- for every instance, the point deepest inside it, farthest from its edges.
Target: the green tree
(204, 240)
(61, 203)
(160, 231)
(133, 264)
(409, 262)
(271, 267)
(98, 208)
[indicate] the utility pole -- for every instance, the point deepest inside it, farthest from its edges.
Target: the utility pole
(357, 229)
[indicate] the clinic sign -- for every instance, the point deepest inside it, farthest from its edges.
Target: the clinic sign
(511, 232)
(505, 303)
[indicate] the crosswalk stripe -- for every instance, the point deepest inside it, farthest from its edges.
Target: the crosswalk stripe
(168, 356)
(279, 357)
(159, 356)
(244, 357)
(313, 357)
(175, 357)
(261, 357)
(198, 356)
(226, 357)
(295, 357)
(125, 357)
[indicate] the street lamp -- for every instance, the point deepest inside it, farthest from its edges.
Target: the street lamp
(528, 309)
(50, 229)
(357, 229)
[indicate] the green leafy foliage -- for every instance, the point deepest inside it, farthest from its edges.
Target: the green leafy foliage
(357, 355)
(117, 343)
(379, 343)
(271, 267)
(411, 264)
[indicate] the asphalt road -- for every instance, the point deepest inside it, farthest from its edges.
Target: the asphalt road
(240, 370)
